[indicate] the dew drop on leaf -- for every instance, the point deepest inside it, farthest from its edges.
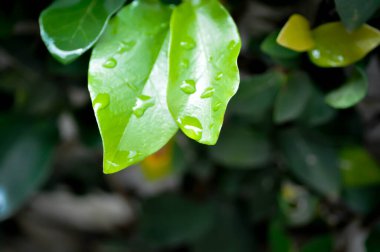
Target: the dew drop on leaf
(191, 126)
(110, 63)
(126, 46)
(188, 44)
(232, 45)
(101, 102)
(185, 63)
(143, 102)
(217, 106)
(188, 86)
(209, 92)
(219, 76)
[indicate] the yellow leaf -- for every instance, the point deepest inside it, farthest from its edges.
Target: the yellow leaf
(337, 47)
(296, 34)
(158, 165)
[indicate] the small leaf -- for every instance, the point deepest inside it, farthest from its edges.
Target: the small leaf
(358, 167)
(203, 76)
(128, 77)
(241, 147)
(336, 47)
(363, 199)
(316, 112)
(255, 98)
(171, 220)
(26, 151)
(312, 160)
(292, 98)
(159, 164)
(71, 27)
(273, 49)
(351, 92)
(296, 34)
(355, 13)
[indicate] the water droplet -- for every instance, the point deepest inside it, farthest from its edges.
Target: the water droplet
(110, 63)
(217, 106)
(209, 92)
(126, 46)
(143, 102)
(131, 86)
(185, 63)
(219, 76)
(188, 43)
(100, 102)
(191, 127)
(232, 45)
(188, 86)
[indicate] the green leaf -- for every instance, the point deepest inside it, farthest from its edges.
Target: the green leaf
(296, 34)
(203, 76)
(273, 49)
(26, 151)
(318, 244)
(241, 147)
(71, 27)
(256, 96)
(170, 220)
(292, 98)
(316, 112)
(355, 13)
(351, 92)
(312, 160)
(128, 77)
(337, 47)
(358, 167)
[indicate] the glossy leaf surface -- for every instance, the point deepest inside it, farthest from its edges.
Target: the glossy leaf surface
(350, 93)
(312, 160)
(337, 47)
(25, 155)
(296, 34)
(292, 98)
(128, 77)
(70, 27)
(355, 13)
(203, 75)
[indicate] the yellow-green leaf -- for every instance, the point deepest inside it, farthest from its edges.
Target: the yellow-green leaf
(337, 47)
(296, 34)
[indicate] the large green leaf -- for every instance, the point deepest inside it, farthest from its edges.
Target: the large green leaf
(279, 240)
(203, 72)
(337, 47)
(128, 78)
(355, 13)
(351, 92)
(312, 160)
(25, 153)
(318, 244)
(292, 98)
(171, 220)
(70, 27)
